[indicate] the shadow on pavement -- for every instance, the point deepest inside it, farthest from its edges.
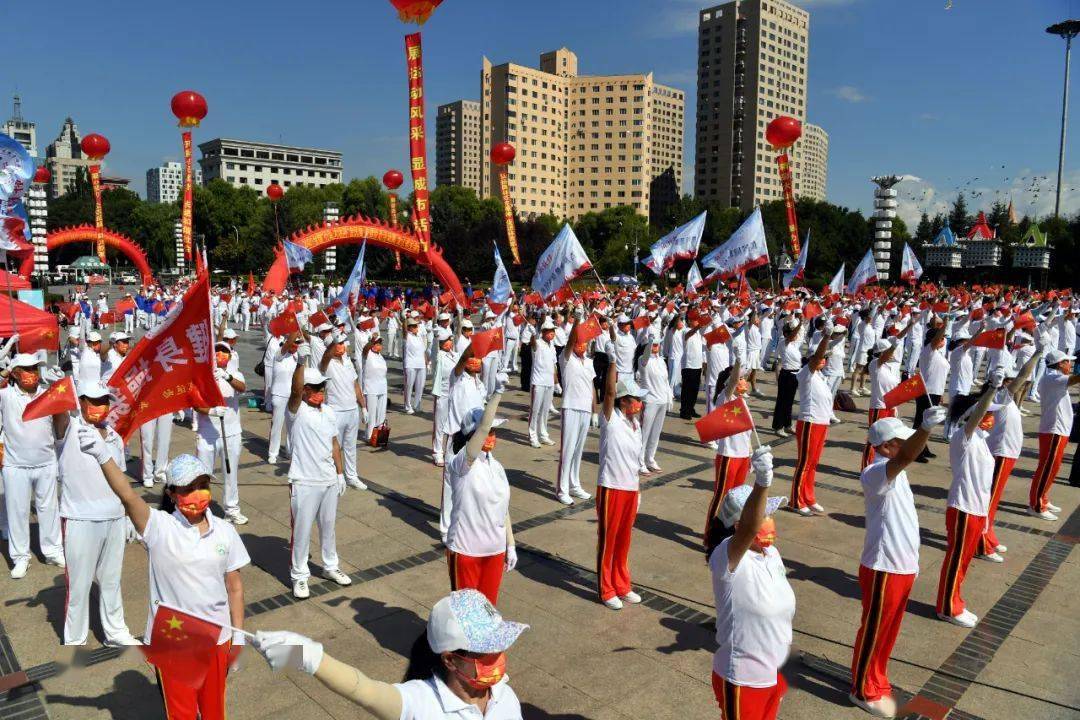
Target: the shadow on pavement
(271, 554)
(688, 636)
(53, 599)
(394, 628)
(134, 697)
(531, 712)
(668, 530)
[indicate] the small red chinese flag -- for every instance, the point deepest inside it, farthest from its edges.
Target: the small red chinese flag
(484, 342)
(317, 319)
(267, 301)
(906, 391)
(496, 308)
(123, 306)
(519, 320)
(641, 322)
(367, 324)
(181, 645)
(812, 310)
(40, 338)
(940, 307)
(59, 398)
(284, 324)
(427, 310)
(726, 420)
(718, 335)
(533, 298)
(589, 329)
(106, 318)
(994, 339)
(446, 298)
(251, 284)
(1026, 321)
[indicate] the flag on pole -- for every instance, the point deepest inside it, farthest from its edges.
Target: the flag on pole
(836, 285)
(910, 269)
(296, 256)
(351, 290)
(726, 420)
(501, 289)
(41, 337)
(744, 250)
(680, 244)
(588, 329)
(865, 273)
(799, 271)
(563, 261)
(693, 278)
(16, 172)
(58, 398)
(719, 334)
(181, 645)
(284, 324)
(486, 341)
(993, 339)
(906, 391)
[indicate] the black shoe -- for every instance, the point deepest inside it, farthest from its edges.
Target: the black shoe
(922, 459)
(928, 454)
(695, 413)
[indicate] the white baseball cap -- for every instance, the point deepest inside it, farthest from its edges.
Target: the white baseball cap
(313, 377)
(229, 334)
(548, 325)
(466, 323)
(93, 336)
(465, 620)
(886, 429)
(1055, 356)
(183, 470)
(73, 331)
(732, 506)
(629, 387)
(444, 316)
(26, 360)
(472, 419)
(118, 336)
(92, 390)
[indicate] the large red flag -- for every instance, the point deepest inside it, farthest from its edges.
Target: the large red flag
(317, 319)
(719, 334)
(170, 367)
(994, 339)
(906, 391)
(59, 398)
(484, 342)
(181, 645)
(40, 338)
(284, 324)
(251, 284)
(725, 420)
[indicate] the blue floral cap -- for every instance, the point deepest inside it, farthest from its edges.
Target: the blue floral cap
(183, 469)
(465, 620)
(735, 500)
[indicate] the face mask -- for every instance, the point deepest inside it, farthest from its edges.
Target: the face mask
(28, 379)
(766, 534)
(634, 407)
(1066, 367)
(473, 365)
(339, 350)
(488, 670)
(315, 399)
(447, 345)
(655, 349)
(489, 444)
(376, 348)
(579, 349)
(192, 505)
(222, 359)
(95, 414)
(987, 423)
(742, 387)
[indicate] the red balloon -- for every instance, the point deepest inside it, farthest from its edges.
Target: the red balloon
(503, 153)
(416, 11)
(393, 179)
(275, 192)
(95, 146)
(783, 131)
(42, 174)
(189, 107)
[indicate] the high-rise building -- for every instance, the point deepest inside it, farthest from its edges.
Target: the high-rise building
(811, 167)
(22, 131)
(584, 142)
(242, 163)
(64, 159)
(752, 66)
(457, 144)
(165, 184)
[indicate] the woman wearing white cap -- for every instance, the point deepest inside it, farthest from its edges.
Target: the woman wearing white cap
(440, 392)
(1055, 425)
(884, 372)
(218, 431)
(787, 384)
(617, 488)
(812, 428)
(934, 369)
(195, 562)
(284, 363)
(415, 365)
(91, 359)
(578, 410)
(457, 668)
(346, 400)
(732, 462)
(374, 383)
(890, 557)
(542, 384)
(754, 602)
(652, 375)
(961, 368)
(479, 539)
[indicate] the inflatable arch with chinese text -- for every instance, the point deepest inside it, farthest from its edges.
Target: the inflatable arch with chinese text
(88, 233)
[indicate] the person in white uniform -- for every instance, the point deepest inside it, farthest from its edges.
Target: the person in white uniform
(652, 376)
(457, 666)
(346, 400)
(285, 362)
(415, 365)
(91, 358)
(29, 468)
(374, 383)
(94, 525)
(218, 431)
(316, 475)
(440, 392)
(578, 412)
(543, 382)
(155, 436)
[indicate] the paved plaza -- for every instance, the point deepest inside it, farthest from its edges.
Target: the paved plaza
(581, 660)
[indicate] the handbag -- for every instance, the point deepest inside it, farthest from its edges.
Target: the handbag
(380, 436)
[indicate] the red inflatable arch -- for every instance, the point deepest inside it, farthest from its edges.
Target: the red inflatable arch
(354, 231)
(88, 233)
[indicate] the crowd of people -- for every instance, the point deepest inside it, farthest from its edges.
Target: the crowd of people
(616, 362)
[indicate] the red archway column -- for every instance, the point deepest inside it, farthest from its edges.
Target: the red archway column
(88, 233)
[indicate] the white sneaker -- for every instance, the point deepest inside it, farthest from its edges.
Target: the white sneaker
(817, 508)
(883, 707)
(991, 557)
(713, 444)
(547, 441)
(1052, 507)
(272, 460)
(148, 482)
(834, 420)
(855, 393)
(300, 590)
(236, 518)
(580, 494)
(1001, 548)
(534, 442)
(1044, 515)
(654, 467)
(614, 603)
(1025, 412)
(356, 483)
(20, 568)
(565, 499)
(409, 411)
(337, 576)
(965, 619)
(123, 641)
(781, 432)
(642, 470)
(57, 560)
(805, 511)
(631, 597)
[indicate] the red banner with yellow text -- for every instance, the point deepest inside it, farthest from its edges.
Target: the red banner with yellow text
(393, 224)
(786, 182)
(508, 214)
(99, 220)
(186, 210)
(418, 140)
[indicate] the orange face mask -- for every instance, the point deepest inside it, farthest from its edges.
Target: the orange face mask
(766, 534)
(473, 365)
(579, 349)
(221, 358)
(987, 423)
(339, 350)
(487, 670)
(634, 407)
(192, 505)
(489, 443)
(742, 387)
(376, 348)
(95, 414)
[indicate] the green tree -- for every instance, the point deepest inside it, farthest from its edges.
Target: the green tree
(959, 219)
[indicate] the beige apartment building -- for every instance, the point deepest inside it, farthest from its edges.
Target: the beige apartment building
(811, 167)
(752, 67)
(584, 142)
(457, 144)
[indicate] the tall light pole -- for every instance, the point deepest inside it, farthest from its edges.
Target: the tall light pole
(1068, 30)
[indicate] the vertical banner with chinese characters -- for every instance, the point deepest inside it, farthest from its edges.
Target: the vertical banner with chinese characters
(99, 221)
(185, 212)
(418, 140)
(393, 224)
(508, 213)
(789, 201)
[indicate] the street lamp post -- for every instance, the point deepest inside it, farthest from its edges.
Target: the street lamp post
(1067, 29)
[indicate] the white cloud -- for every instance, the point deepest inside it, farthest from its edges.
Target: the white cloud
(674, 18)
(928, 117)
(849, 93)
(681, 79)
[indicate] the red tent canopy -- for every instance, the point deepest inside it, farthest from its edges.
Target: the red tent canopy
(17, 282)
(26, 316)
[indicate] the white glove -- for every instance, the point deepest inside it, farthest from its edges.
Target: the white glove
(595, 421)
(51, 374)
(501, 380)
(238, 638)
(303, 351)
(997, 377)
(91, 443)
(217, 412)
(364, 415)
(283, 649)
(511, 558)
(762, 462)
(558, 388)
(221, 374)
(933, 416)
(340, 484)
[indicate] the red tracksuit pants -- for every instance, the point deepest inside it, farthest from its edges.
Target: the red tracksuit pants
(810, 439)
(1003, 467)
(616, 511)
(884, 598)
(207, 702)
(739, 702)
(479, 573)
(1051, 452)
(963, 532)
(873, 417)
(730, 472)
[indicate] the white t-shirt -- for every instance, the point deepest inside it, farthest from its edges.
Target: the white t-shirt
(1006, 438)
(934, 369)
(469, 392)
(311, 438)
(653, 378)
(791, 356)
(543, 364)
(577, 383)
(961, 372)
(693, 355)
(341, 385)
(1056, 414)
(374, 374)
(972, 472)
(625, 347)
(883, 378)
(815, 398)
(431, 700)
(84, 492)
(754, 609)
(187, 570)
(89, 367)
(481, 495)
(27, 443)
(620, 452)
(415, 351)
(284, 366)
(892, 525)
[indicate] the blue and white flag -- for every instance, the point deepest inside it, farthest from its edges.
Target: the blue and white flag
(297, 256)
(501, 289)
(680, 244)
(693, 278)
(351, 291)
(836, 285)
(563, 261)
(910, 268)
(15, 229)
(745, 249)
(800, 265)
(16, 170)
(865, 273)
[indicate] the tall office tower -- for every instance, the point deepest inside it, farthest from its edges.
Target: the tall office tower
(64, 159)
(812, 166)
(457, 144)
(22, 131)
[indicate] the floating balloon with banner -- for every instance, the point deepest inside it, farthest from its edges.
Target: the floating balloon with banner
(392, 179)
(417, 11)
(502, 154)
(782, 132)
(189, 107)
(96, 147)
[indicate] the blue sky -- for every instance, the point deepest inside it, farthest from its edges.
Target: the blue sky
(903, 86)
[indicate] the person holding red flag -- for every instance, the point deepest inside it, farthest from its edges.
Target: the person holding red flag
(1055, 426)
(732, 462)
(652, 375)
(934, 369)
(884, 372)
(578, 412)
(815, 415)
(195, 562)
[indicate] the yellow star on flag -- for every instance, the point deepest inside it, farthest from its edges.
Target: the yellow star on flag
(175, 623)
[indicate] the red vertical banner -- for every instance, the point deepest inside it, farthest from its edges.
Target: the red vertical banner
(789, 201)
(418, 140)
(99, 220)
(393, 224)
(185, 211)
(508, 213)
